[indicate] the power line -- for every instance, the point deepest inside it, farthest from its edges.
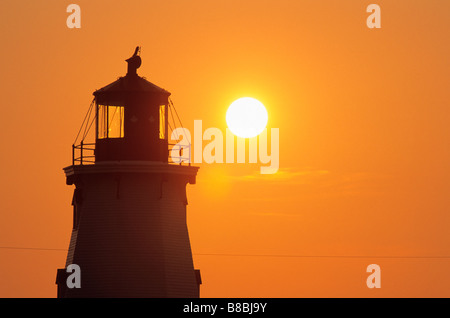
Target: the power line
(324, 256)
(31, 248)
(270, 255)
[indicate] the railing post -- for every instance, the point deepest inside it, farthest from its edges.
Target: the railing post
(189, 147)
(73, 154)
(81, 153)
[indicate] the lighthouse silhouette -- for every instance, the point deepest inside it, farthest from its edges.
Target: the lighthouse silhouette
(129, 236)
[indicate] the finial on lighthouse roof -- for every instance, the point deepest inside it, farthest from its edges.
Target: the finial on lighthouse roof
(134, 62)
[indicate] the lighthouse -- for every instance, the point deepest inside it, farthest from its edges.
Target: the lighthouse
(129, 236)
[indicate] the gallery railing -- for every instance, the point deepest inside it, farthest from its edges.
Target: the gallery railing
(83, 154)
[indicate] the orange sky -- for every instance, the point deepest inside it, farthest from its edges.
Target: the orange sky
(364, 133)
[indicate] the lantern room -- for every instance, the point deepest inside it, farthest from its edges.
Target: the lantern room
(131, 118)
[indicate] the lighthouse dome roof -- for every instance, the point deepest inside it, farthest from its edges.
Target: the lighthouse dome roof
(118, 91)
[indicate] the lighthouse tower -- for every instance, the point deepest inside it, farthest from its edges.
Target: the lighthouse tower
(129, 235)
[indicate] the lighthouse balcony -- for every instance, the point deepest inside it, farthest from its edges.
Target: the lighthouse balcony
(116, 149)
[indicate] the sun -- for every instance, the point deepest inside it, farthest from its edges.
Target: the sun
(246, 117)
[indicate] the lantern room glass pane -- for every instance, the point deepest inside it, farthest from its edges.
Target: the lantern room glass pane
(162, 122)
(102, 121)
(110, 121)
(115, 122)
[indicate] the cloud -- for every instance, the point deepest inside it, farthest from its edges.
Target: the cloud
(284, 174)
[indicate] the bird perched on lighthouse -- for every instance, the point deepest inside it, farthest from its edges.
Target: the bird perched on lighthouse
(135, 61)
